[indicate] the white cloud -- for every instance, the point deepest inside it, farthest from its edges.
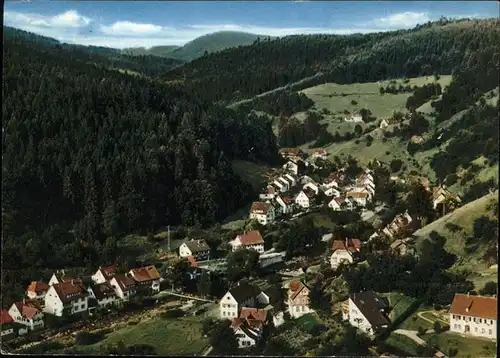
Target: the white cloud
(127, 28)
(67, 20)
(403, 19)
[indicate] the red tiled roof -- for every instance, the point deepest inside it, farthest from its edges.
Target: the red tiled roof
(309, 192)
(270, 190)
(296, 287)
(125, 282)
(147, 273)
(351, 245)
(68, 290)
(259, 207)
(287, 200)
(28, 310)
(253, 313)
(253, 237)
(109, 271)
(357, 194)
(38, 286)
(474, 306)
(6, 318)
(290, 151)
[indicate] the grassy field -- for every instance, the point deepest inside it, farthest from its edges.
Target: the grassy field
(337, 98)
(467, 346)
(181, 336)
(404, 344)
(319, 220)
(308, 321)
(464, 218)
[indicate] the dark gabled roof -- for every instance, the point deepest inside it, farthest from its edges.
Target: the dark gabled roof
(197, 245)
(103, 290)
(370, 305)
(244, 291)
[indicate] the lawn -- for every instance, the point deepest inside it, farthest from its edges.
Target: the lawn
(180, 336)
(337, 98)
(253, 173)
(308, 322)
(404, 344)
(399, 303)
(463, 218)
(467, 346)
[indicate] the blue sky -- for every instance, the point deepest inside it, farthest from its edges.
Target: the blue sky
(146, 23)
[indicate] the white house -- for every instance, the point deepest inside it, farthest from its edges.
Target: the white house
(104, 294)
(335, 179)
(367, 312)
(332, 191)
(441, 195)
(304, 198)
(248, 326)
(361, 198)
(264, 213)
(71, 295)
(60, 277)
(291, 179)
(399, 223)
(282, 187)
(104, 274)
(474, 315)
(124, 286)
(298, 299)
(7, 324)
(28, 314)
(344, 251)
(146, 277)
(291, 167)
(199, 249)
(249, 240)
(365, 179)
(319, 153)
(285, 182)
(269, 193)
(340, 203)
(313, 186)
(285, 204)
(37, 290)
(242, 295)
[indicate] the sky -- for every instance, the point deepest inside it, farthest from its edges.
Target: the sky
(122, 24)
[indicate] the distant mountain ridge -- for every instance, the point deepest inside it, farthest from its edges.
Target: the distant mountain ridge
(196, 48)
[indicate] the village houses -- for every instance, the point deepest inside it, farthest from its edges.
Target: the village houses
(474, 315)
(292, 153)
(319, 153)
(146, 277)
(249, 240)
(313, 186)
(295, 166)
(61, 276)
(298, 299)
(264, 213)
(269, 193)
(248, 327)
(27, 313)
(340, 204)
(366, 311)
(37, 290)
(124, 286)
(103, 293)
(240, 296)
(403, 247)
(344, 251)
(442, 196)
(8, 326)
(67, 294)
(358, 197)
(305, 198)
(104, 274)
(199, 249)
(285, 204)
(399, 224)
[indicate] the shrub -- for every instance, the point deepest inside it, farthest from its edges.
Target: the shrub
(353, 102)
(356, 141)
(437, 327)
(421, 331)
(452, 352)
(384, 139)
(396, 165)
(86, 338)
(173, 313)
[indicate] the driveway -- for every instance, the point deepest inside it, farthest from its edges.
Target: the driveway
(413, 336)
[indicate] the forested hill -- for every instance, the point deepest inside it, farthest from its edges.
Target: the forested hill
(238, 73)
(90, 154)
(147, 65)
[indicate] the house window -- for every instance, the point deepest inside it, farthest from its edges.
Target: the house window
(453, 316)
(476, 329)
(482, 330)
(489, 332)
(223, 313)
(474, 319)
(480, 320)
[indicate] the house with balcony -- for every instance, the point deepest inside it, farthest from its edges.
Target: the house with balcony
(298, 299)
(243, 295)
(37, 290)
(199, 249)
(474, 315)
(27, 313)
(251, 240)
(68, 296)
(146, 277)
(124, 286)
(367, 311)
(104, 273)
(264, 213)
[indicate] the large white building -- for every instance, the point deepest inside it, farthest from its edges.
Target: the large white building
(474, 315)
(298, 299)
(305, 198)
(242, 295)
(249, 240)
(264, 213)
(71, 295)
(199, 249)
(366, 311)
(28, 314)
